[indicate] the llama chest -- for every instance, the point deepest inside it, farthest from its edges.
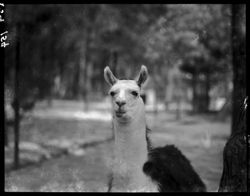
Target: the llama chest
(128, 175)
(128, 178)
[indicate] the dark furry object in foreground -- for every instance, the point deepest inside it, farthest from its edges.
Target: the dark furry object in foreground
(172, 170)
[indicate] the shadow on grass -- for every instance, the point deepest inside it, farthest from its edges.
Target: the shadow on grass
(61, 152)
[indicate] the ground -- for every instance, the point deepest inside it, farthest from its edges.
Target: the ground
(84, 167)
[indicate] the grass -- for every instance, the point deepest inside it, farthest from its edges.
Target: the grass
(201, 139)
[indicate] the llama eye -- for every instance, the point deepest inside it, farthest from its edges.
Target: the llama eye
(112, 93)
(134, 93)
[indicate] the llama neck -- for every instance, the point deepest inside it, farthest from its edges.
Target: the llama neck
(130, 142)
(130, 155)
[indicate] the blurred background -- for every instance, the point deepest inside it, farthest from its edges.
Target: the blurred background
(58, 132)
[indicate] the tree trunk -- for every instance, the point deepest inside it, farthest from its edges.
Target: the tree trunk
(113, 63)
(61, 72)
(16, 99)
(239, 62)
(169, 89)
(86, 68)
(178, 108)
(234, 176)
(51, 63)
(207, 97)
(76, 80)
(194, 87)
(6, 139)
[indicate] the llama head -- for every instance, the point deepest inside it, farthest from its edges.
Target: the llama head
(125, 94)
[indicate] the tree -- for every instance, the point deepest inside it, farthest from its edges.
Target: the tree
(239, 61)
(22, 81)
(235, 163)
(16, 98)
(74, 43)
(234, 176)
(198, 37)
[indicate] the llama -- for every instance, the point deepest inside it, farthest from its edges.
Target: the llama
(138, 166)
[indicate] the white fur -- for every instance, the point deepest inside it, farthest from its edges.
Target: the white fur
(130, 155)
(130, 142)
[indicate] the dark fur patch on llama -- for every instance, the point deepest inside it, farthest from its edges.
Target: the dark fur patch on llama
(172, 170)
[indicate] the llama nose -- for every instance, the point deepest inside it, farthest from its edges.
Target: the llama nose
(120, 103)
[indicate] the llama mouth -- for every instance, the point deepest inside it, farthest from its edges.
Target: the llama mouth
(120, 113)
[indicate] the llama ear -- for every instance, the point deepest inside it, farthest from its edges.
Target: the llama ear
(143, 75)
(109, 77)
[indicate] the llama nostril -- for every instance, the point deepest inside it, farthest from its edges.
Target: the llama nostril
(120, 103)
